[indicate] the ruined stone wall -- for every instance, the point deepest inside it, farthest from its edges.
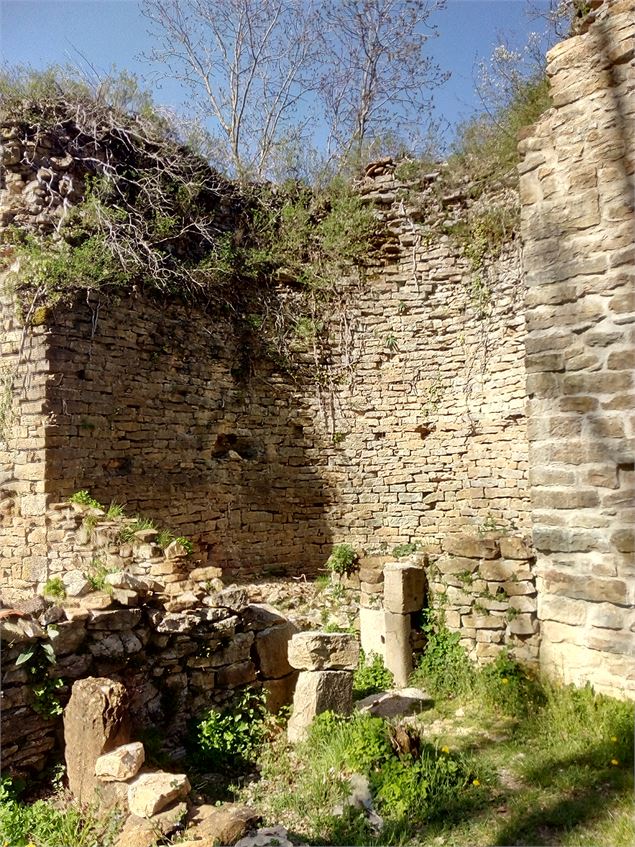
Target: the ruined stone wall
(415, 431)
(577, 191)
(179, 642)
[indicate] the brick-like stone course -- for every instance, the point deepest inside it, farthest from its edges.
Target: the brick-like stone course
(578, 226)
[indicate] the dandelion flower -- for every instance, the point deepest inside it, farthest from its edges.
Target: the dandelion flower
(504, 680)
(445, 749)
(475, 782)
(614, 738)
(614, 762)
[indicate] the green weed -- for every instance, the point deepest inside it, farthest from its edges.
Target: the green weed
(343, 560)
(371, 676)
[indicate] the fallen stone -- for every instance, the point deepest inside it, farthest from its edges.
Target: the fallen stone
(391, 704)
(149, 793)
(120, 764)
(269, 836)
(114, 619)
(262, 616)
(221, 825)
(187, 600)
(95, 722)
(125, 597)
(317, 692)
(142, 585)
(175, 550)
(66, 636)
(146, 832)
(323, 650)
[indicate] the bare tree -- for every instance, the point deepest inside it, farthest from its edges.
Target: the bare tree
(376, 77)
(248, 66)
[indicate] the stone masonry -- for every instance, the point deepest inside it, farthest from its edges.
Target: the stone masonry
(578, 226)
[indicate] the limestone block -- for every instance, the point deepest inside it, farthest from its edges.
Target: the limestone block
(258, 616)
(236, 675)
(515, 547)
(317, 692)
(125, 597)
(114, 619)
(279, 692)
(323, 650)
(372, 631)
(456, 564)
(149, 793)
(75, 583)
(398, 652)
(97, 600)
(120, 764)
(404, 588)
(271, 650)
(470, 546)
(232, 597)
(523, 625)
(66, 636)
(146, 832)
(95, 722)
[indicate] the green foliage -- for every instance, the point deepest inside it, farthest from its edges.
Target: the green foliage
(96, 575)
(83, 498)
(47, 824)
(114, 511)
(508, 687)
(36, 660)
(402, 550)
(343, 560)
(231, 738)
(371, 676)
(444, 669)
(54, 588)
(58, 268)
(127, 532)
(486, 147)
(166, 537)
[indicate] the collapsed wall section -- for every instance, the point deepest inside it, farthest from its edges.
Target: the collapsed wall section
(577, 192)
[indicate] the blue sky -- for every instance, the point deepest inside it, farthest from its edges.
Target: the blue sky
(113, 32)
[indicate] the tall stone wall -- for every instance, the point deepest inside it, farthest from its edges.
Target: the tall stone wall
(418, 431)
(578, 225)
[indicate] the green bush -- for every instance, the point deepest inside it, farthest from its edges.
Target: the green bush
(84, 498)
(508, 687)
(444, 669)
(371, 676)
(229, 739)
(343, 560)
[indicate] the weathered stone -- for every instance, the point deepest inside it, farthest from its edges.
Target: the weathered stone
(317, 692)
(523, 625)
(372, 631)
(146, 832)
(149, 793)
(398, 651)
(279, 692)
(95, 722)
(456, 564)
(262, 616)
(97, 600)
(472, 547)
(66, 636)
(232, 597)
(120, 764)
(392, 704)
(404, 588)
(515, 547)
(235, 675)
(271, 650)
(323, 650)
(75, 584)
(221, 825)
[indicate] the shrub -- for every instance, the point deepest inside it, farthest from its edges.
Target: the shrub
(507, 686)
(231, 738)
(83, 498)
(371, 676)
(343, 560)
(444, 669)
(54, 588)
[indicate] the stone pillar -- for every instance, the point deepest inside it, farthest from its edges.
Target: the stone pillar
(404, 588)
(95, 722)
(326, 662)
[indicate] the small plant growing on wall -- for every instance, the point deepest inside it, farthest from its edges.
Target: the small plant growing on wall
(343, 560)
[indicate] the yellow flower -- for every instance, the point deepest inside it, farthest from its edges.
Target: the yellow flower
(614, 762)
(504, 680)
(614, 738)
(476, 782)
(445, 749)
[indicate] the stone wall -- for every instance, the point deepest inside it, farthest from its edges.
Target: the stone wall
(577, 191)
(178, 645)
(417, 431)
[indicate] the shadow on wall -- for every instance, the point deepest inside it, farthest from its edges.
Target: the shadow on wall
(149, 410)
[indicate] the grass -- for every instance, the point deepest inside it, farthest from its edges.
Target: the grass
(533, 763)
